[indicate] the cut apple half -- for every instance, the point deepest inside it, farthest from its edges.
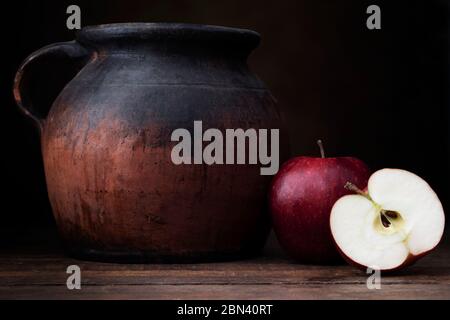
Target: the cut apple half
(397, 220)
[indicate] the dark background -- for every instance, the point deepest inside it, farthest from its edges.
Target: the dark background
(380, 95)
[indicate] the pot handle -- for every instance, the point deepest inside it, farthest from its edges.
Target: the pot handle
(71, 50)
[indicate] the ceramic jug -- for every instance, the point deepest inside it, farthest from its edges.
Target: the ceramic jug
(106, 143)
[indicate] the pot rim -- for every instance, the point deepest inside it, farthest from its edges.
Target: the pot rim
(154, 31)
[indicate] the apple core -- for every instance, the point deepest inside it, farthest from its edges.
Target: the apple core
(387, 221)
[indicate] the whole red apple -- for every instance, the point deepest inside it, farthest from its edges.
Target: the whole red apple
(301, 197)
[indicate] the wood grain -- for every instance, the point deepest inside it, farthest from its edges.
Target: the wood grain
(42, 275)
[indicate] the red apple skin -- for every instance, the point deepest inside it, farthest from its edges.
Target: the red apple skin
(301, 197)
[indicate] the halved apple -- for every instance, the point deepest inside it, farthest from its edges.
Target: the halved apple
(396, 221)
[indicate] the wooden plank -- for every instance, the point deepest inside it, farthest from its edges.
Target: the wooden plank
(226, 292)
(301, 276)
(43, 275)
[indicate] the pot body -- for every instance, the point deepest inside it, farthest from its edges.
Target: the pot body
(115, 192)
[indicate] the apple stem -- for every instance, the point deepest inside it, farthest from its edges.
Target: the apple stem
(351, 187)
(322, 150)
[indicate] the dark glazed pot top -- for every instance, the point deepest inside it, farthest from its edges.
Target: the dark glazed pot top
(154, 32)
(168, 53)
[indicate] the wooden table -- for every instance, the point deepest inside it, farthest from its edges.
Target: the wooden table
(41, 274)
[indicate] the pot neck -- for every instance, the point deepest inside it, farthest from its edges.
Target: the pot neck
(168, 38)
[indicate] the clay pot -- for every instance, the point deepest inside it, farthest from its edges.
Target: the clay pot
(106, 143)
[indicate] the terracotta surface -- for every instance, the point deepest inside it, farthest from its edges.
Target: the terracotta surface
(115, 193)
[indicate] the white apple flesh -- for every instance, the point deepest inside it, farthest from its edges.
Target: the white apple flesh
(398, 220)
